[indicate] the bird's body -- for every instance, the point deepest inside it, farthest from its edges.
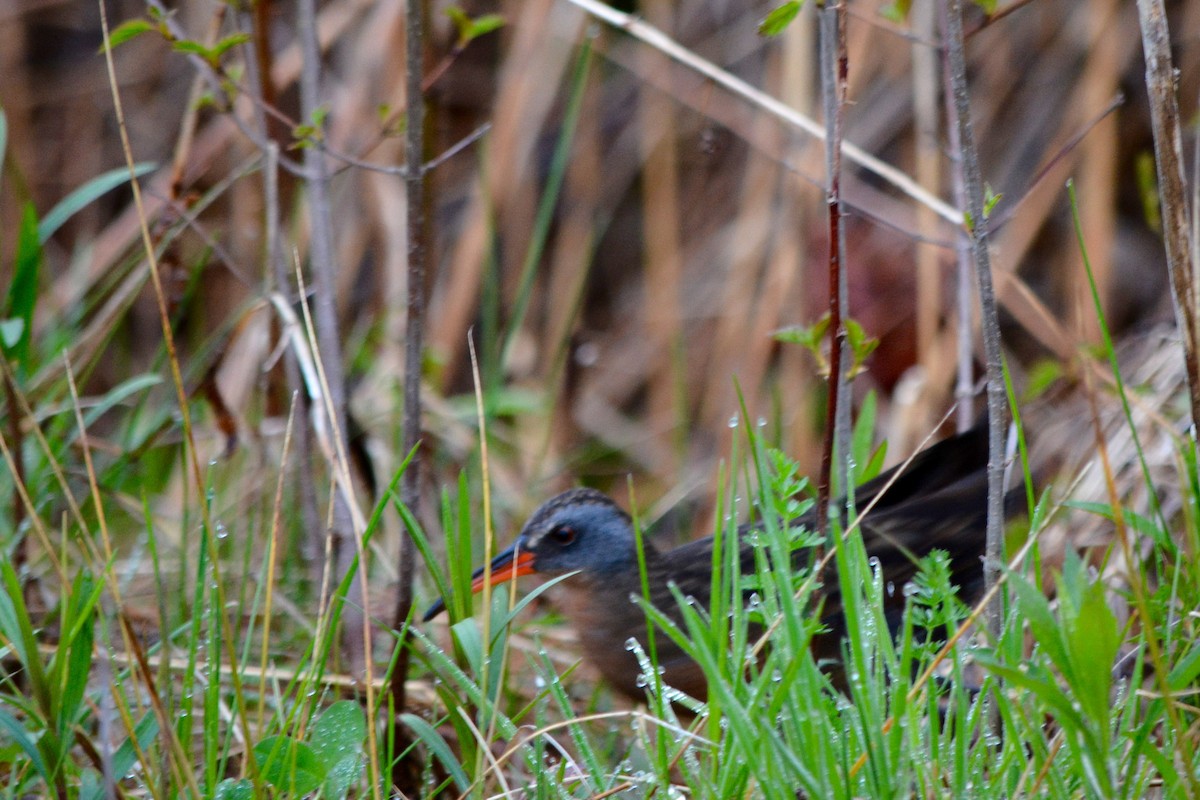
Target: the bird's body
(939, 502)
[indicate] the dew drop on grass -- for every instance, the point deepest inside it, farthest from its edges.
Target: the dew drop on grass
(733, 421)
(631, 644)
(891, 588)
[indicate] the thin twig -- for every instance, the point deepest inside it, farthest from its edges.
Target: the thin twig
(989, 323)
(834, 67)
(1168, 157)
(410, 486)
(346, 534)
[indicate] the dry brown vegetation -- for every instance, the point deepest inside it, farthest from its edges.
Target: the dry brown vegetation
(612, 339)
(690, 224)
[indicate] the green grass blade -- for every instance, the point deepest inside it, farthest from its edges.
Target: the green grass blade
(84, 195)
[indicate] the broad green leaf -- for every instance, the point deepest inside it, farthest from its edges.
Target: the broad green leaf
(289, 765)
(339, 732)
(1093, 639)
(235, 789)
(1035, 609)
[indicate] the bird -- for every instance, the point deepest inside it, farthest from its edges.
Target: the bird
(937, 501)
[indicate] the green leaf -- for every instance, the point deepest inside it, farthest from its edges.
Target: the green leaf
(897, 11)
(861, 439)
(73, 661)
(119, 393)
(1147, 185)
(437, 745)
(339, 732)
(10, 332)
(126, 31)
(1041, 377)
(809, 337)
(289, 765)
(990, 199)
(192, 47)
(861, 346)
(341, 777)
(81, 197)
(22, 293)
(17, 732)
(1186, 669)
(874, 464)
(235, 789)
(220, 48)
(461, 21)
(1035, 609)
(484, 24)
(1093, 639)
(779, 18)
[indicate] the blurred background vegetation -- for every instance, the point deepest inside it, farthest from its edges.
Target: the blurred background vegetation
(619, 236)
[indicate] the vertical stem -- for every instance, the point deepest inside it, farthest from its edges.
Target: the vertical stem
(964, 386)
(347, 536)
(978, 230)
(414, 325)
(1168, 157)
(324, 304)
(834, 68)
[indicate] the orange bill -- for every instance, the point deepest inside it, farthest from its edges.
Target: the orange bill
(505, 567)
(512, 563)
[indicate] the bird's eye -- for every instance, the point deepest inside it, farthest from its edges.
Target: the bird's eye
(562, 534)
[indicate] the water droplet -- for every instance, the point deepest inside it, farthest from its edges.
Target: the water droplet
(891, 588)
(733, 421)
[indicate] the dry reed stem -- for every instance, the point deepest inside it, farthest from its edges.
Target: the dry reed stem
(1168, 148)
(181, 396)
(656, 39)
(520, 105)
(659, 139)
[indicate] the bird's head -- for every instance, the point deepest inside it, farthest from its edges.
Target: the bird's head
(579, 530)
